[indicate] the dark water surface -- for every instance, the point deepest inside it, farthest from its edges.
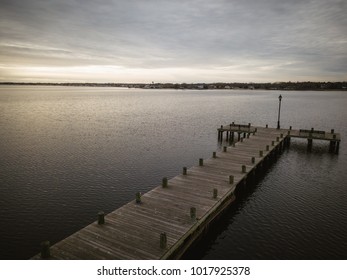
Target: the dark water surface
(68, 152)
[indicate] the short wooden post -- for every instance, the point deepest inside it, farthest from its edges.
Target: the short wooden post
(101, 218)
(332, 131)
(277, 139)
(163, 240)
(224, 148)
(201, 161)
(266, 126)
(256, 129)
(164, 182)
(260, 153)
(281, 135)
(290, 128)
(193, 213)
(244, 169)
(138, 197)
(45, 250)
(184, 171)
(273, 143)
(214, 154)
(231, 179)
(253, 160)
(267, 148)
(215, 193)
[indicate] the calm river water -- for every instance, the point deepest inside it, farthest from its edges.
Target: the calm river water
(68, 152)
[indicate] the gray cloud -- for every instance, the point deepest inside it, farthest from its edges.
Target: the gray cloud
(261, 38)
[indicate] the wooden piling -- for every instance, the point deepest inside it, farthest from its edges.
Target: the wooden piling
(163, 240)
(101, 218)
(193, 213)
(138, 197)
(232, 137)
(337, 147)
(309, 144)
(184, 172)
(164, 182)
(45, 249)
(201, 161)
(215, 193)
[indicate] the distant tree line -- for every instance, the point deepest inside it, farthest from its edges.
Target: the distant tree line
(263, 86)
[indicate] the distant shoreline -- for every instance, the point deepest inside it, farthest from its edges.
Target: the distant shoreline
(317, 86)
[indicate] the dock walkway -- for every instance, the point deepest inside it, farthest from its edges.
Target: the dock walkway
(164, 222)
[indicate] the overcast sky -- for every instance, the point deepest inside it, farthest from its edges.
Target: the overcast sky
(173, 40)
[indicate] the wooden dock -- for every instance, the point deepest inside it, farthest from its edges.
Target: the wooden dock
(237, 130)
(164, 222)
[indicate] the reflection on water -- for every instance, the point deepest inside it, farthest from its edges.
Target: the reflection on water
(67, 153)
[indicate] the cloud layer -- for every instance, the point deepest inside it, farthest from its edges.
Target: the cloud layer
(173, 41)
